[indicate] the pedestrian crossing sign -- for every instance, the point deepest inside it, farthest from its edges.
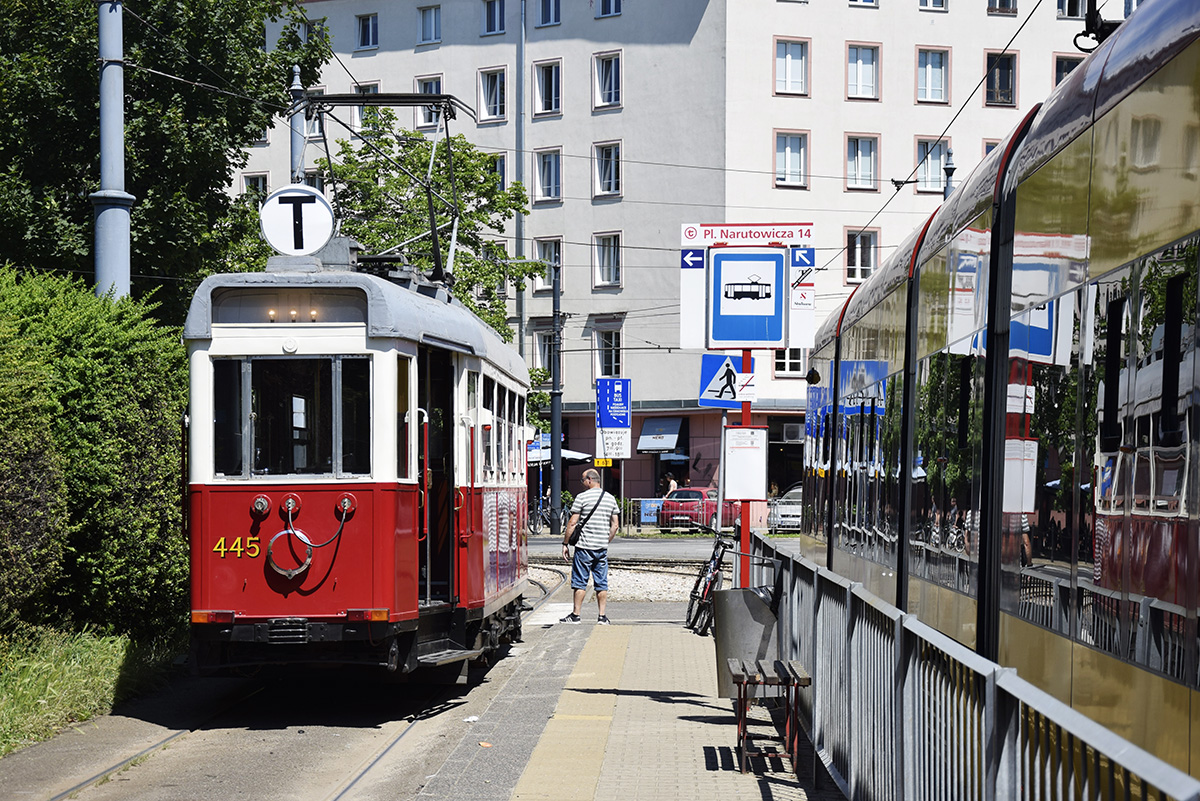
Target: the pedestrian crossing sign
(721, 385)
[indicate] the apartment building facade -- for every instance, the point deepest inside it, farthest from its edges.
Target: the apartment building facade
(626, 119)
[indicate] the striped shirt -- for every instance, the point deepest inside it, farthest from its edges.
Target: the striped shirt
(595, 534)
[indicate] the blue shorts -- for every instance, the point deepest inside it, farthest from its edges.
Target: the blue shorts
(593, 562)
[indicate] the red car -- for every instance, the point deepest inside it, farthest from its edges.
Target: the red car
(683, 508)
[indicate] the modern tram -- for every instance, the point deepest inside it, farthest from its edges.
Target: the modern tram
(356, 473)
(1020, 378)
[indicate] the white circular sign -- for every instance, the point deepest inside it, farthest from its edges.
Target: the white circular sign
(296, 220)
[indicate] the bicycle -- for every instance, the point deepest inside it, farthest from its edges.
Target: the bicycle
(700, 610)
(539, 519)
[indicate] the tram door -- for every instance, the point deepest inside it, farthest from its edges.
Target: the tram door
(436, 372)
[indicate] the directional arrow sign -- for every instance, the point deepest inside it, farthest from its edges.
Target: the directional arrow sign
(803, 257)
(691, 258)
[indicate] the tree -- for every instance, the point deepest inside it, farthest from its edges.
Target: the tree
(184, 142)
(380, 196)
(96, 391)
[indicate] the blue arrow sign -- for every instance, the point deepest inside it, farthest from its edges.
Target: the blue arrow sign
(691, 258)
(804, 257)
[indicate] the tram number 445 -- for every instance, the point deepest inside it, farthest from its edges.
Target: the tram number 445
(238, 547)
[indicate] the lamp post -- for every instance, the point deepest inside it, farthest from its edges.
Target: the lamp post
(949, 169)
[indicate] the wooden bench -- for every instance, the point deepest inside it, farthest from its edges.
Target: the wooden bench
(791, 676)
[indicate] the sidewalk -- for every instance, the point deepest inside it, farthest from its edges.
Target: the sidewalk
(632, 716)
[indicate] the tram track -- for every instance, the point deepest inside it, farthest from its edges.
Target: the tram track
(423, 708)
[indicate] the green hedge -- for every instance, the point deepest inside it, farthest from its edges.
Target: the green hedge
(92, 394)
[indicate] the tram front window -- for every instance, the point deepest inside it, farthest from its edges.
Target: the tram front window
(305, 416)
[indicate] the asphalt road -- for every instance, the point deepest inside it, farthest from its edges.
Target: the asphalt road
(677, 548)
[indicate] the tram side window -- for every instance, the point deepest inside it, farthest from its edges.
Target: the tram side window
(227, 417)
(404, 420)
(489, 439)
(356, 416)
(473, 410)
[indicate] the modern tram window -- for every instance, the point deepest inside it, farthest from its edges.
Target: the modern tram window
(302, 413)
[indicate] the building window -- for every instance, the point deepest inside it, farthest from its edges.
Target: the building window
(430, 85)
(1063, 66)
(791, 159)
(315, 180)
(860, 255)
(1001, 79)
(368, 31)
(608, 259)
(989, 145)
(255, 185)
(493, 16)
(430, 26)
(1144, 134)
(550, 252)
(608, 8)
(860, 163)
(608, 353)
(549, 172)
(315, 30)
(864, 2)
(791, 362)
(791, 68)
(360, 115)
(933, 5)
(491, 90)
(608, 80)
(549, 83)
(550, 12)
(500, 169)
(608, 168)
(931, 158)
(1074, 9)
(861, 68)
(543, 341)
(931, 76)
(1002, 6)
(314, 126)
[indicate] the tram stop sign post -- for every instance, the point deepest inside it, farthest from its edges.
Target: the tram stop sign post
(296, 220)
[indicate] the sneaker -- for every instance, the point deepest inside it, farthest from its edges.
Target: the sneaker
(602, 620)
(571, 618)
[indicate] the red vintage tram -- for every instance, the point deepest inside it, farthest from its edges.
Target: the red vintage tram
(356, 472)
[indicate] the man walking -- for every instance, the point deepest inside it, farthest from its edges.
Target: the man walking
(596, 514)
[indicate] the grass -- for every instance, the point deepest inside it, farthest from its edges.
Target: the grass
(50, 679)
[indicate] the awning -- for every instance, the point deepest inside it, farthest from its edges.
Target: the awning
(568, 456)
(659, 434)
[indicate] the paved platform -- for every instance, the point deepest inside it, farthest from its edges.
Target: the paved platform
(623, 712)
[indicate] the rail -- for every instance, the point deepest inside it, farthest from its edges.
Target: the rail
(898, 710)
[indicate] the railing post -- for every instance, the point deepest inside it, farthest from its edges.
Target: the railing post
(901, 712)
(852, 692)
(1001, 721)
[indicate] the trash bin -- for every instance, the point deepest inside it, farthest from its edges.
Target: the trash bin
(744, 628)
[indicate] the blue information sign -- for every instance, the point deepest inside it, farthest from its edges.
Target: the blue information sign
(804, 257)
(612, 403)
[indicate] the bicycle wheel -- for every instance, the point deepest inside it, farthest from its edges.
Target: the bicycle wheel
(693, 609)
(535, 522)
(704, 623)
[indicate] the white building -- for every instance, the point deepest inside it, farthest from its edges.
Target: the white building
(628, 118)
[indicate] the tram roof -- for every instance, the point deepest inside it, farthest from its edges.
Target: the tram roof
(423, 313)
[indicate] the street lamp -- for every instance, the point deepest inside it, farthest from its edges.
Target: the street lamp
(949, 169)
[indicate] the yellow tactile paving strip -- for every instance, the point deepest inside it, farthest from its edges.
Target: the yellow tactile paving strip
(568, 758)
(639, 720)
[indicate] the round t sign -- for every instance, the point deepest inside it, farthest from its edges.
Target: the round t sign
(297, 220)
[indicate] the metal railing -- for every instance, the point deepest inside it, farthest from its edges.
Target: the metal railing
(898, 710)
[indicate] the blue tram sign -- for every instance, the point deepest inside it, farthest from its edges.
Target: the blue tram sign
(747, 298)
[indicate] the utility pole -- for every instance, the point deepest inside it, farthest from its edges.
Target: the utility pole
(112, 203)
(556, 409)
(296, 120)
